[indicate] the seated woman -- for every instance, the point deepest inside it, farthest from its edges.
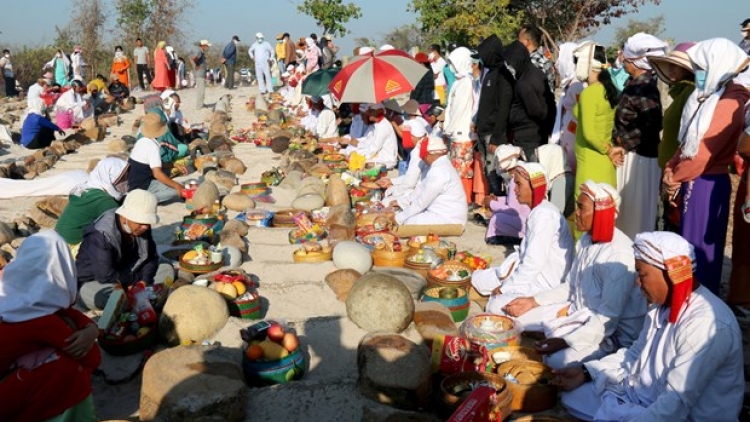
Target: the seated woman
(118, 249)
(508, 221)
(404, 185)
(546, 252)
(686, 365)
(71, 101)
(38, 131)
(106, 185)
(439, 198)
(148, 157)
(599, 308)
(379, 145)
(49, 350)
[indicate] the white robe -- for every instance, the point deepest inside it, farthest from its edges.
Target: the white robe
(438, 199)
(602, 282)
(379, 145)
(638, 182)
(69, 100)
(545, 256)
(327, 126)
(688, 371)
(458, 114)
(310, 121)
(404, 185)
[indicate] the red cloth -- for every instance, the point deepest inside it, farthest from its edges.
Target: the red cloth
(47, 391)
(161, 70)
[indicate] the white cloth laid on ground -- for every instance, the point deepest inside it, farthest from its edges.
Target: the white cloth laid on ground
(438, 199)
(638, 181)
(691, 370)
(601, 282)
(60, 184)
(545, 256)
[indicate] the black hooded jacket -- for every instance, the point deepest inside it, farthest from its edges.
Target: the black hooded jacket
(496, 93)
(532, 113)
(425, 89)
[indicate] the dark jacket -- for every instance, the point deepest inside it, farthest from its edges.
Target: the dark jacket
(230, 53)
(533, 110)
(425, 90)
(496, 94)
(106, 258)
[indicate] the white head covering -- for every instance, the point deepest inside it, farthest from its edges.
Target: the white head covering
(586, 61)
(507, 156)
(460, 58)
(654, 248)
(259, 35)
(365, 50)
(328, 101)
(36, 106)
(386, 47)
(105, 176)
(309, 42)
(40, 281)
(641, 45)
(601, 192)
(436, 144)
(720, 58)
(566, 68)
(554, 160)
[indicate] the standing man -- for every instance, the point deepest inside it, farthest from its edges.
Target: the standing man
(199, 61)
(281, 51)
(437, 63)
(142, 63)
(745, 43)
(531, 37)
(263, 55)
(6, 67)
(329, 52)
(229, 58)
(290, 51)
(77, 63)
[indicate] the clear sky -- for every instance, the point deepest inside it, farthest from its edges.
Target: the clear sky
(33, 21)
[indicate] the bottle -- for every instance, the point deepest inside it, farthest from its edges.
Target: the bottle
(141, 304)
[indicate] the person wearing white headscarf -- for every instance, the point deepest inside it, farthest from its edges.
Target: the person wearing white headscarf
(103, 190)
(598, 308)
(458, 118)
(38, 131)
(438, 198)
(508, 222)
(686, 364)
(566, 124)
(712, 121)
(546, 252)
(635, 149)
(312, 53)
(49, 350)
(379, 144)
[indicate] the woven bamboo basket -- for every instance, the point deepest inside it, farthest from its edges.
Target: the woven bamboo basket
(285, 217)
(533, 392)
(508, 353)
(313, 256)
(454, 266)
(442, 251)
(422, 269)
(386, 258)
(371, 240)
(455, 388)
(458, 304)
(504, 332)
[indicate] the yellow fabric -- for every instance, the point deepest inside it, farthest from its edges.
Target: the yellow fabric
(74, 248)
(100, 85)
(356, 161)
(280, 51)
(440, 91)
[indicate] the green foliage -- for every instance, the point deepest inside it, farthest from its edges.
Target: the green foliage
(28, 62)
(405, 37)
(331, 15)
(653, 26)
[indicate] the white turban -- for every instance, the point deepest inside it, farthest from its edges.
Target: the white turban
(601, 192)
(641, 45)
(436, 144)
(507, 156)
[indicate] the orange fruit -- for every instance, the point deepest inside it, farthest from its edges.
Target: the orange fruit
(254, 352)
(240, 286)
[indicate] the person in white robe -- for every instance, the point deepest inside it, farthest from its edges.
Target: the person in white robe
(564, 130)
(310, 120)
(546, 252)
(687, 363)
(439, 197)
(72, 101)
(404, 185)
(328, 125)
(599, 308)
(379, 145)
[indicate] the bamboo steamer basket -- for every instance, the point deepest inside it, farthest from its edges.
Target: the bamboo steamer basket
(441, 251)
(534, 391)
(452, 390)
(386, 258)
(455, 266)
(325, 255)
(509, 353)
(458, 305)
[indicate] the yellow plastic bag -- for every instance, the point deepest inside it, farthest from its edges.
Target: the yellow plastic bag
(356, 161)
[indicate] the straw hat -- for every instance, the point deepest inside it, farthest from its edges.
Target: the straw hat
(152, 126)
(139, 207)
(677, 57)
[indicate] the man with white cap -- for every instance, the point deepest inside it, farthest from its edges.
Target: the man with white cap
(379, 145)
(546, 252)
(638, 122)
(599, 308)
(686, 364)
(438, 198)
(263, 55)
(118, 248)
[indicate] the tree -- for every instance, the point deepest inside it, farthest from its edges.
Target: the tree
(85, 29)
(466, 22)
(152, 21)
(653, 26)
(331, 15)
(405, 37)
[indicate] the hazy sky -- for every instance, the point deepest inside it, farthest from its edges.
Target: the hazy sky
(33, 21)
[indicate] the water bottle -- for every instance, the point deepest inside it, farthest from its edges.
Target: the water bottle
(141, 304)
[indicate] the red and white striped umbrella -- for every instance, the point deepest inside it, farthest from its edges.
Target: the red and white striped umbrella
(374, 78)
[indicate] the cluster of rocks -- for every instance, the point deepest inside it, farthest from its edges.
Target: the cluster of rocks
(12, 235)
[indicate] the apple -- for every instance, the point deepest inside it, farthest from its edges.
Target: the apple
(460, 256)
(290, 342)
(276, 332)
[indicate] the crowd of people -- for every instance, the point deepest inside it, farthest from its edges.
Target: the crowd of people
(631, 317)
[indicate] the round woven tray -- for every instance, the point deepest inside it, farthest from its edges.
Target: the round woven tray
(422, 269)
(454, 266)
(534, 391)
(373, 239)
(452, 393)
(199, 269)
(386, 258)
(313, 256)
(285, 217)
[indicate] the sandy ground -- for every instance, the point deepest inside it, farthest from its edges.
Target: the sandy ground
(295, 293)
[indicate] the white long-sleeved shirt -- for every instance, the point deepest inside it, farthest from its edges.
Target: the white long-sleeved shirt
(405, 184)
(691, 370)
(35, 92)
(69, 100)
(602, 280)
(545, 254)
(327, 126)
(458, 114)
(310, 121)
(379, 145)
(438, 199)
(261, 53)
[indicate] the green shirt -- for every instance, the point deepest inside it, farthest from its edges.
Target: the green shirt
(82, 211)
(680, 92)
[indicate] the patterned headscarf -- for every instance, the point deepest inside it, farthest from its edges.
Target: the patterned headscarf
(606, 204)
(669, 251)
(537, 176)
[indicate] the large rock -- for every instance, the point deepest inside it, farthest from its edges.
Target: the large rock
(341, 282)
(192, 314)
(237, 226)
(311, 185)
(394, 371)
(235, 166)
(352, 255)
(205, 196)
(52, 205)
(308, 202)
(193, 384)
(411, 279)
(379, 302)
(238, 202)
(292, 180)
(337, 193)
(6, 233)
(433, 319)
